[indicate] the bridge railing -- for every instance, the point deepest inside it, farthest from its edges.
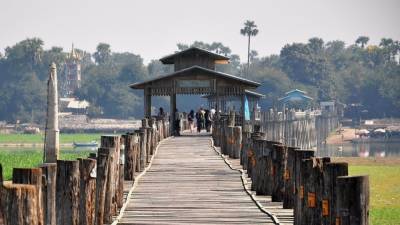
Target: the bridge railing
(83, 191)
(319, 191)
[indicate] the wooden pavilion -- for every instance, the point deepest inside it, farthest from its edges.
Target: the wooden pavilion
(195, 74)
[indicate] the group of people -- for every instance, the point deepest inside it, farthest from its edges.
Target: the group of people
(203, 117)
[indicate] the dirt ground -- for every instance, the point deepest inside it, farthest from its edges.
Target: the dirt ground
(346, 135)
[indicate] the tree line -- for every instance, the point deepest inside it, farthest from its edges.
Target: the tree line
(356, 74)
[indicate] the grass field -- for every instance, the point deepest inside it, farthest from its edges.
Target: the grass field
(38, 138)
(31, 158)
(384, 178)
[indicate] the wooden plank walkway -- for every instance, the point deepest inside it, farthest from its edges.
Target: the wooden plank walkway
(189, 183)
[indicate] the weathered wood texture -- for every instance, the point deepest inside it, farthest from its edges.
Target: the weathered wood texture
(31, 176)
(87, 191)
(188, 183)
(289, 177)
(103, 165)
(353, 200)
(329, 195)
(67, 192)
(19, 204)
(300, 155)
(49, 172)
(110, 204)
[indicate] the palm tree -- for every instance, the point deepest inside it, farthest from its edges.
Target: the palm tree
(362, 40)
(249, 29)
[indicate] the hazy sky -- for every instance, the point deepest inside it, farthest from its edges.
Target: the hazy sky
(152, 28)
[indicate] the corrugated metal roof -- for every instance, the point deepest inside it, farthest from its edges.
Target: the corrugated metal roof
(169, 59)
(140, 85)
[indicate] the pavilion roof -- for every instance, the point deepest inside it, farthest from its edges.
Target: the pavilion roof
(201, 70)
(170, 59)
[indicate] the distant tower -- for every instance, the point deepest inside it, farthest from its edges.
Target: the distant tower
(72, 73)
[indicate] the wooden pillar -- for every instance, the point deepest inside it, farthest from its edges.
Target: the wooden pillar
(87, 191)
(131, 140)
(300, 155)
(103, 164)
(110, 207)
(67, 192)
(19, 202)
(49, 172)
(144, 144)
(237, 142)
(329, 194)
(31, 176)
(172, 113)
(352, 200)
(278, 170)
(147, 102)
(139, 133)
(289, 197)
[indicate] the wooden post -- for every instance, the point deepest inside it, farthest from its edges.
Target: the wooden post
(229, 141)
(329, 195)
(110, 206)
(231, 119)
(138, 150)
(119, 195)
(103, 164)
(19, 204)
(300, 155)
(31, 176)
(237, 142)
(67, 192)
(49, 173)
(289, 196)
(352, 200)
(147, 102)
(245, 148)
(129, 166)
(143, 140)
(312, 178)
(87, 168)
(278, 169)
(172, 114)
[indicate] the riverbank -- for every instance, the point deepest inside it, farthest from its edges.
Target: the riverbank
(345, 136)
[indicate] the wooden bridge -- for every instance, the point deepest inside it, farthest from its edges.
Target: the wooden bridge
(189, 183)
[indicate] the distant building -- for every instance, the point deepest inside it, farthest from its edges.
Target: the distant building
(71, 79)
(296, 99)
(73, 106)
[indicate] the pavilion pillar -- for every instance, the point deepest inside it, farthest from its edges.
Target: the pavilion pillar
(172, 112)
(147, 103)
(243, 119)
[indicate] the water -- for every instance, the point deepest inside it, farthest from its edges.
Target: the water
(363, 149)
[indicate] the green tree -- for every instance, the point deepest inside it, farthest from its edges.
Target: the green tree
(362, 40)
(102, 55)
(249, 30)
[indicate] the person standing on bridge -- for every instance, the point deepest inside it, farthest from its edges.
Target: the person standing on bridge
(177, 123)
(200, 118)
(191, 120)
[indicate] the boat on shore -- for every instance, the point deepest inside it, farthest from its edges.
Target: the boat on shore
(86, 144)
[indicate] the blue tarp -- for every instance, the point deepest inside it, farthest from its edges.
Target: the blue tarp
(246, 109)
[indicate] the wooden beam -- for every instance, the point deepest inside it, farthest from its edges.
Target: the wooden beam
(172, 111)
(147, 102)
